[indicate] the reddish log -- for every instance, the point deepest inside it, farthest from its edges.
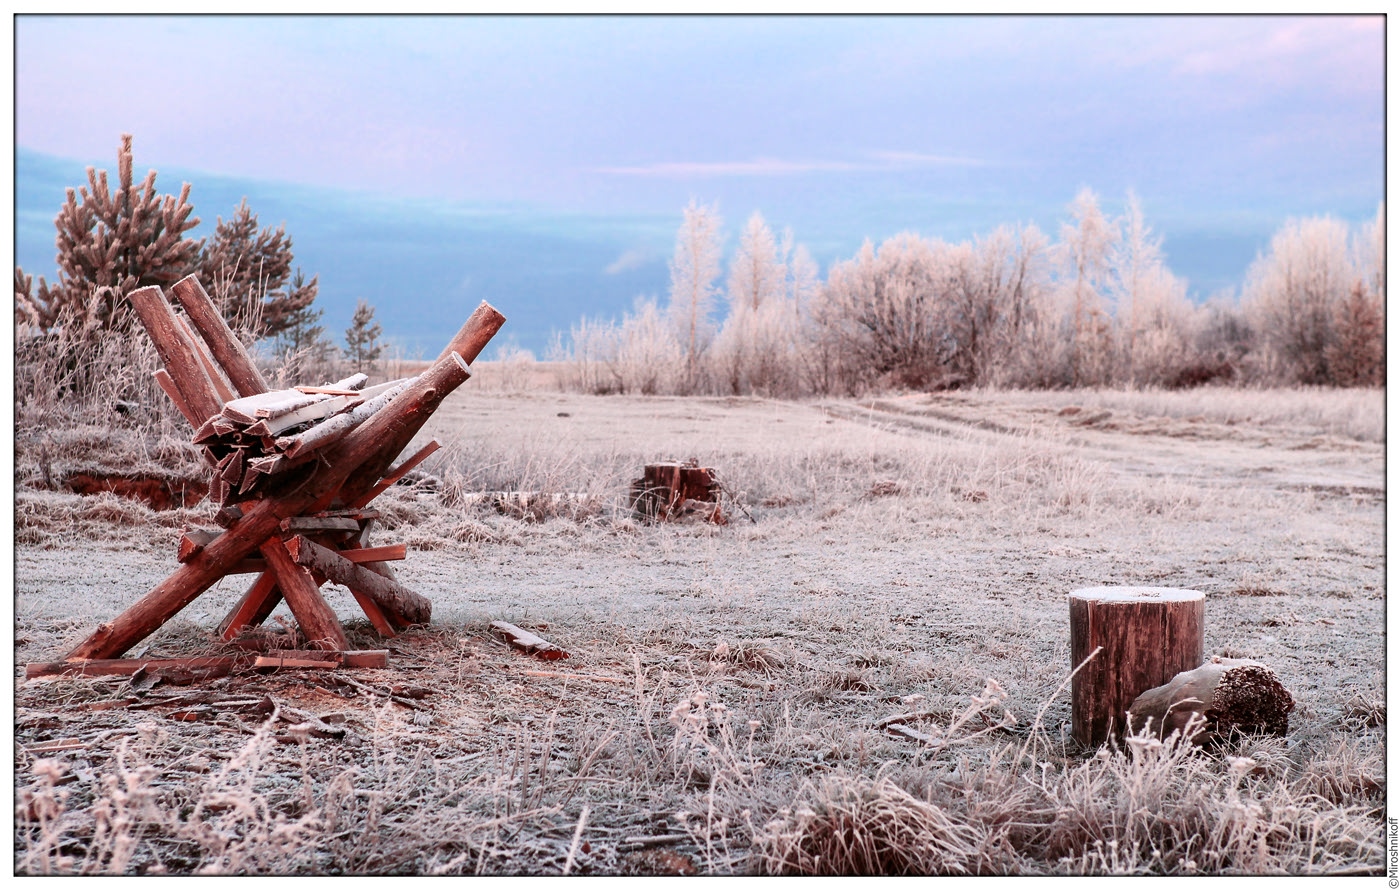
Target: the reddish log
(253, 608)
(211, 369)
(401, 605)
(163, 380)
(227, 349)
(177, 355)
(314, 615)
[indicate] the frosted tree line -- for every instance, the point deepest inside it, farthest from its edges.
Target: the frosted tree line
(1097, 307)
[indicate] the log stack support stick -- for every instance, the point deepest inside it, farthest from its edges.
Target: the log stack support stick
(314, 524)
(1146, 635)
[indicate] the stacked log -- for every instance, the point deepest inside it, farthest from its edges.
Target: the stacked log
(255, 438)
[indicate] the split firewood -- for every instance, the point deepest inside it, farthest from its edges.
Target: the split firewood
(1225, 695)
(528, 642)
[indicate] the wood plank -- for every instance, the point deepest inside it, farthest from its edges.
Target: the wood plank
(294, 524)
(227, 349)
(328, 431)
(245, 409)
(193, 541)
(528, 642)
(272, 426)
(126, 666)
(253, 608)
(400, 605)
(314, 615)
(212, 665)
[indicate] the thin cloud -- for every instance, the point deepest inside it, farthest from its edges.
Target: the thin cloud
(630, 259)
(879, 161)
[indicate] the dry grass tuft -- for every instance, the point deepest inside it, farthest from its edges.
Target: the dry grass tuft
(851, 825)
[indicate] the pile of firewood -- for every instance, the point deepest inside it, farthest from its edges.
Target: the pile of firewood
(255, 438)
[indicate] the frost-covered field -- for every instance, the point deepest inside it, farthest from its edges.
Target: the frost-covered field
(726, 704)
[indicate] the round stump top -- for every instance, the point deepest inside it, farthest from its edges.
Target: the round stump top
(1136, 595)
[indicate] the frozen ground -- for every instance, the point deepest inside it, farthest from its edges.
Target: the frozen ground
(903, 551)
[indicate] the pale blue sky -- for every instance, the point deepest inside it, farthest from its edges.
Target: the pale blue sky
(842, 128)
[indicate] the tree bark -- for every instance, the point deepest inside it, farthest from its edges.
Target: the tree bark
(314, 615)
(401, 605)
(1147, 636)
(178, 356)
(227, 349)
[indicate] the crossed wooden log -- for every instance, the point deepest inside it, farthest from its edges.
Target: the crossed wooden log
(309, 521)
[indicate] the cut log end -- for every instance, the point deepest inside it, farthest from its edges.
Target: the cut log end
(1219, 699)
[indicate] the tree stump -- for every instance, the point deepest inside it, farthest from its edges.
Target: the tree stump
(664, 489)
(1229, 694)
(1147, 634)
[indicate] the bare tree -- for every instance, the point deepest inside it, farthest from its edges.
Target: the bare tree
(1085, 243)
(1292, 294)
(694, 268)
(749, 347)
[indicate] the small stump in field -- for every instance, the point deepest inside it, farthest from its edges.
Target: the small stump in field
(1146, 635)
(672, 489)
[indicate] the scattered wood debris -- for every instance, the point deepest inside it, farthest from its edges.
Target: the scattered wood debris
(528, 642)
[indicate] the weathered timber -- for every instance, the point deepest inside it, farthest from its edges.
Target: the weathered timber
(1147, 635)
(228, 350)
(212, 665)
(399, 604)
(193, 541)
(1224, 695)
(293, 524)
(218, 664)
(375, 614)
(277, 402)
(322, 434)
(253, 608)
(272, 426)
(527, 642)
(164, 382)
(364, 454)
(326, 390)
(314, 615)
(211, 369)
(394, 475)
(175, 353)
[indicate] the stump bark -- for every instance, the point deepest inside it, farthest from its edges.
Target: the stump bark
(1146, 635)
